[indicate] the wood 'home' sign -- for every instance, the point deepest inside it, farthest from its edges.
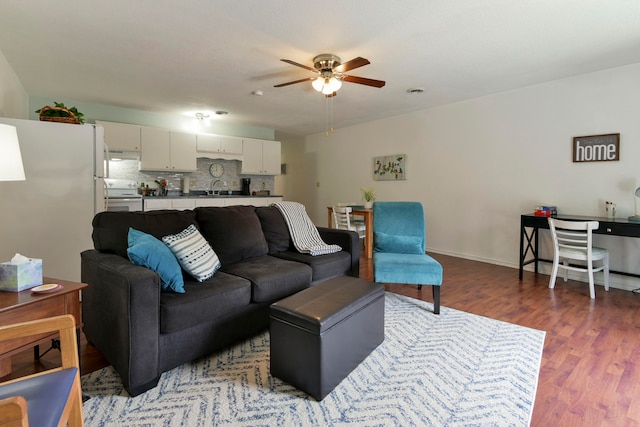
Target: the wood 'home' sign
(596, 148)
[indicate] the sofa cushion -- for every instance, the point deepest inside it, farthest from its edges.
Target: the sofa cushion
(323, 266)
(193, 253)
(274, 228)
(203, 302)
(147, 251)
(234, 232)
(110, 229)
(271, 278)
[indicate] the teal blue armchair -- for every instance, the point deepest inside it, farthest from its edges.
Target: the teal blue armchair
(399, 248)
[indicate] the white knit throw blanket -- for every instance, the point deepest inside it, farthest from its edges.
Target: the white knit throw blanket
(304, 233)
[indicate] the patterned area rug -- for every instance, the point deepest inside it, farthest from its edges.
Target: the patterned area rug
(449, 370)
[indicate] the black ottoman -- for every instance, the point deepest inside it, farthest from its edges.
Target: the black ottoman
(320, 334)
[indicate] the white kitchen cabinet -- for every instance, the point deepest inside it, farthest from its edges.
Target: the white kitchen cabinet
(156, 204)
(260, 157)
(151, 204)
(183, 152)
(163, 150)
(160, 203)
(206, 202)
(210, 143)
(264, 201)
(236, 201)
(121, 136)
(184, 203)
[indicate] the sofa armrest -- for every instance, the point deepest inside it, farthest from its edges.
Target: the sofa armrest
(121, 315)
(348, 240)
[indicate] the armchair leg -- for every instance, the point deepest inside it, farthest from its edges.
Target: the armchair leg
(436, 299)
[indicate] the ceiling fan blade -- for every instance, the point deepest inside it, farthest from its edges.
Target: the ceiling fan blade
(363, 81)
(295, 81)
(350, 65)
(288, 61)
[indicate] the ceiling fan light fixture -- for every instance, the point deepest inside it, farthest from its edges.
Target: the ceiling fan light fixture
(318, 84)
(326, 85)
(326, 89)
(334, 84)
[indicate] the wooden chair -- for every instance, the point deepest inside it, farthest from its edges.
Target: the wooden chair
(572, 240)
(49, 398)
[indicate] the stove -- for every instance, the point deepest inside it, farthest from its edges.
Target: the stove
(122, 195)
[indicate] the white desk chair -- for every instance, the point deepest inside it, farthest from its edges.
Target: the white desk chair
(572, 240)
(342, 220)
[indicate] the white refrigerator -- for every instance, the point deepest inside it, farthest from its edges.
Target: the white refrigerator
(49, 215)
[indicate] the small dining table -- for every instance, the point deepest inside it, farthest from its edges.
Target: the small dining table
(368, 223)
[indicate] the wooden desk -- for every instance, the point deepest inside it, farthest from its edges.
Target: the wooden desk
(23, 306)
(368, 223)
(614, 227)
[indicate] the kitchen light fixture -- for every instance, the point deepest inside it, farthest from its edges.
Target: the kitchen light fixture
(10, 159)
(204, 119)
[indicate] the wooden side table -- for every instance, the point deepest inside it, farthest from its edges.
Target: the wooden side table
(23, 306)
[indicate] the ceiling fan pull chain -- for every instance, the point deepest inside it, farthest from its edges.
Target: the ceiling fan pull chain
(331, 110)
(326, 108)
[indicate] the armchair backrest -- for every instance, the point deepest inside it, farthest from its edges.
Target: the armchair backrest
(405, 219)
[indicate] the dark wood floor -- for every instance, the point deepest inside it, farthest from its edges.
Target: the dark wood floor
(590, 373)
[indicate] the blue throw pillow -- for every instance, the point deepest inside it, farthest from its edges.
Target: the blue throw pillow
(147, 251)
(397, 244)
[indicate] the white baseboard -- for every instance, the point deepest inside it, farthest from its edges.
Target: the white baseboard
(617, 281)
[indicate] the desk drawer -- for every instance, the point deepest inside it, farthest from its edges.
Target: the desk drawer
(618, 229)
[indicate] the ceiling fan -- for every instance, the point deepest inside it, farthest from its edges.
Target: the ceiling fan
(331, 72)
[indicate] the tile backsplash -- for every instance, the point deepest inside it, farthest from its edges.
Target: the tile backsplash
(200, 180)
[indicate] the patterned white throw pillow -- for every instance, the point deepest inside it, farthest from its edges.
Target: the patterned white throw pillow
(194, 253)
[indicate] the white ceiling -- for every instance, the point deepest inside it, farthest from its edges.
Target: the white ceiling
(198, 55)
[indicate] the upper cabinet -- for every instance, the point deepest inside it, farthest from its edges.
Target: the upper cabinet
(209, 143)
(121, 136)
(163, 150)
(261, 157)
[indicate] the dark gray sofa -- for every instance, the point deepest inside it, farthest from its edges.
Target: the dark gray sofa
(144, 332)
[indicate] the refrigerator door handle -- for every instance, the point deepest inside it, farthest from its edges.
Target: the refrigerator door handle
(107, 157)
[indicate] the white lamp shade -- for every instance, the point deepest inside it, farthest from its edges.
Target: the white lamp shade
(10, 159)
(326, 85)
(318, 84)
(334, 84)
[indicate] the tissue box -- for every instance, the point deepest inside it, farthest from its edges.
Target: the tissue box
(18, 277)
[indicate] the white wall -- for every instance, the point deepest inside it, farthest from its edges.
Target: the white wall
(477, 165)
(14, 101)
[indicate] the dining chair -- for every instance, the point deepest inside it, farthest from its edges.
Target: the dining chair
(399, 248)
(342, 220)
(354, 219)
(49, 398)
(573, 240)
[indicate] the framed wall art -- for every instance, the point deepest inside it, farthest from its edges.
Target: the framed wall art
(390, 168)
(596, 148)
